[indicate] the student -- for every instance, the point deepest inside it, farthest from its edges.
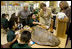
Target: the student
(23, 41)
(11, 32)
(7, 45)
(7, 17)
(34, 21)
(4, 22)
(14, 18)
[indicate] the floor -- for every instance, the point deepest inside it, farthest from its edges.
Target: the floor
(4, 40)
(69, 44)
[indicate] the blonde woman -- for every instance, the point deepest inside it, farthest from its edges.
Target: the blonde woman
(45, 14)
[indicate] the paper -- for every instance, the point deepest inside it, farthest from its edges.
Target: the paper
(61, 15)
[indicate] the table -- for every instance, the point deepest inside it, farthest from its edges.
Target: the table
(62, 44)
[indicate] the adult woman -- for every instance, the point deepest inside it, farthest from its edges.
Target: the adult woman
(67, 10)
(45, 14)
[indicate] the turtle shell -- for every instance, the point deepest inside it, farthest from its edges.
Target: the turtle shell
(43, 37)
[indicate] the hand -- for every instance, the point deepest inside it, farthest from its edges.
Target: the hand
(15, 38)
(39, 23)
(47, 27)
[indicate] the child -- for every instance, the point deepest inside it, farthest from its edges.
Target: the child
(4, 22)
(33, 21)
(11, 32)
(7, 45)
(7, 17)
(23, 41)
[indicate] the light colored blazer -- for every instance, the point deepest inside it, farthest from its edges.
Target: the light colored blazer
(45, 17)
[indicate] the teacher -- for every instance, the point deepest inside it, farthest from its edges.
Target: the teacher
(45, 15)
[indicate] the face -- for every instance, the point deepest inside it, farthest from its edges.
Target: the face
(33, 16)
(44, 8)
(61, 6)
(26, 8)
(15, 26)
(7, 16)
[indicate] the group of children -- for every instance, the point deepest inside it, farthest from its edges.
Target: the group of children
(13, 26)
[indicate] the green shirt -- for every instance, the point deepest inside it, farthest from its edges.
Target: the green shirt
(4, 22)
(10, 35)
(17, 45)
(36, 11)
(31, 22)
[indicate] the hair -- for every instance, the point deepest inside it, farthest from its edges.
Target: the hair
(7, 14)
(14, 18)
(65, 4)
(42, 5)
(13, 15)
(3, 15)
(25, 5)
(54, 10)
(34, 14)
(11, 24)
(29, 17)
(25, 36)
(12, 21)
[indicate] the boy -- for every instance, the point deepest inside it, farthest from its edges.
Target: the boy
(7, 45)
(11, 32)
(33, 21)
(4, 22)
(23, 40)
(7, 17)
